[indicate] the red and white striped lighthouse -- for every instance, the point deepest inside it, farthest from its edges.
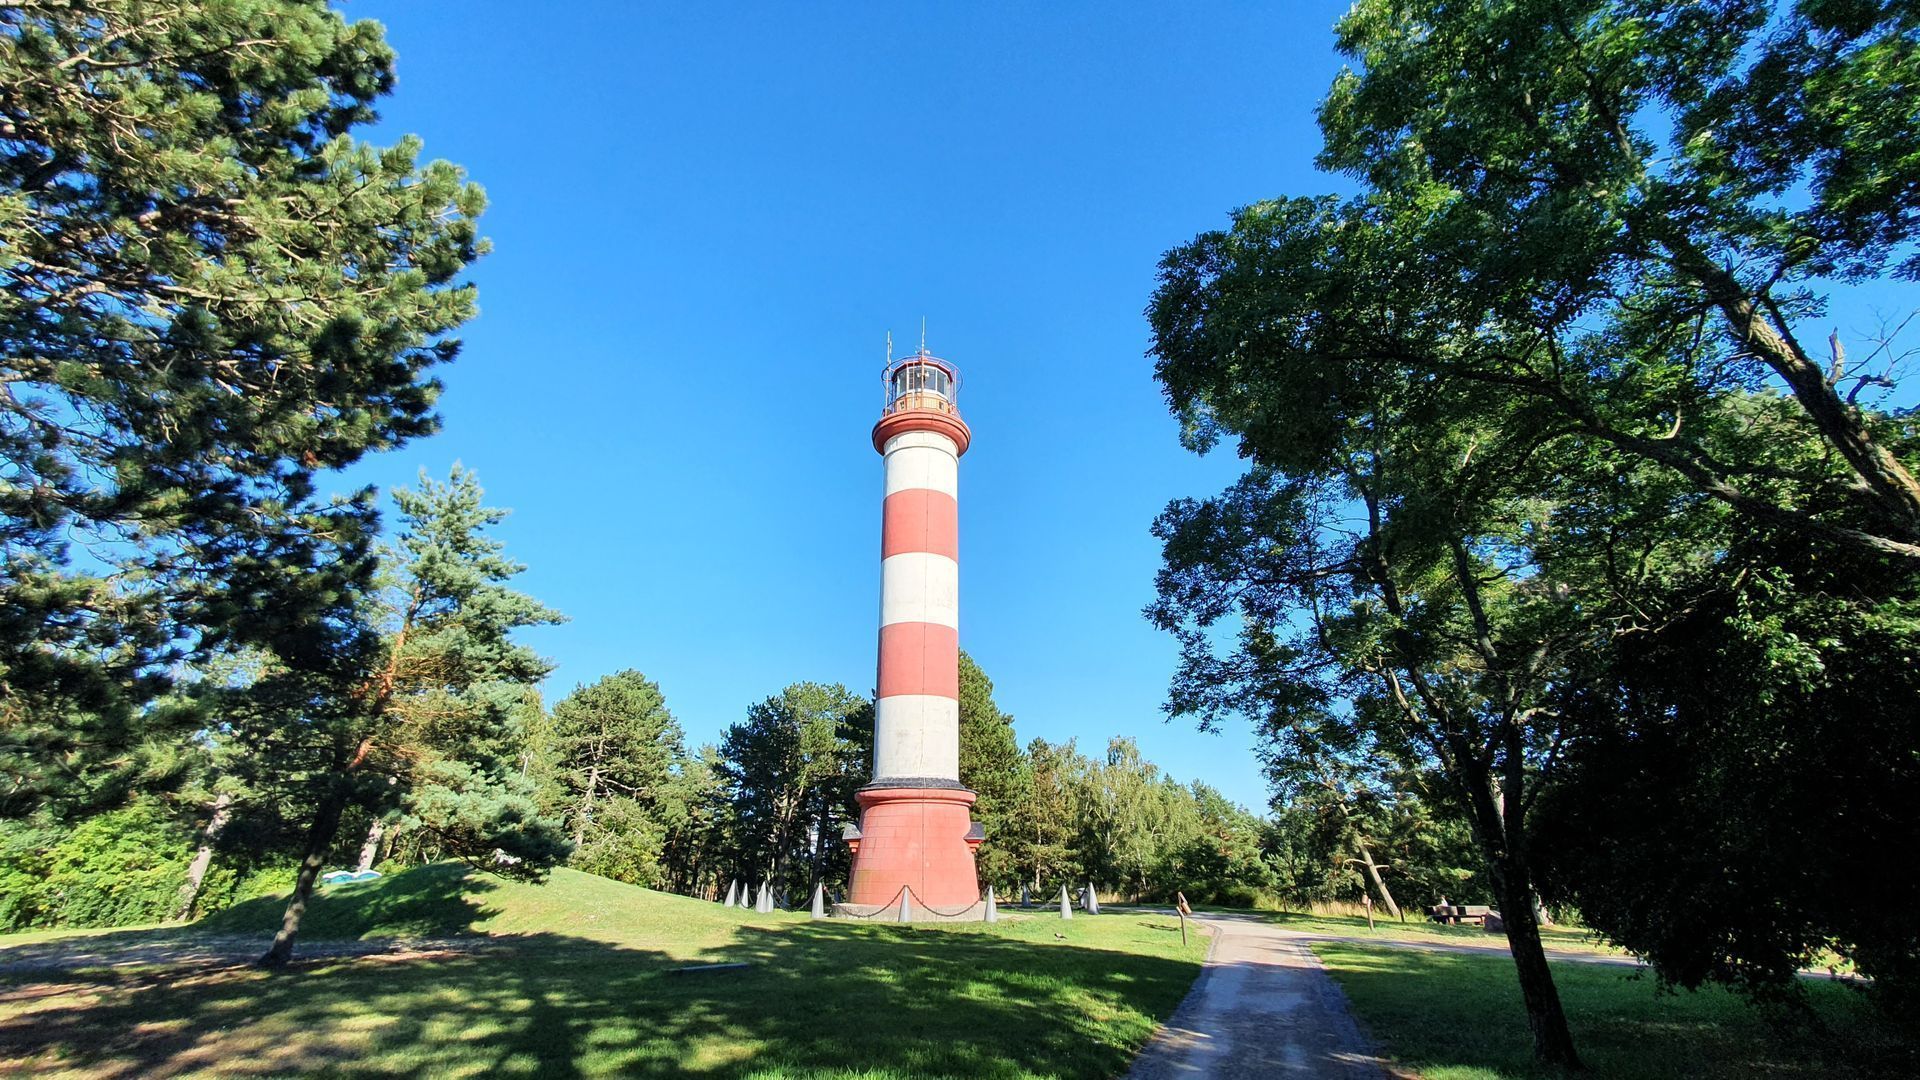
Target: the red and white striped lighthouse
(916, 830)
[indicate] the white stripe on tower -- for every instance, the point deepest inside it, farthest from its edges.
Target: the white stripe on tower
(917, 714)
(922, 459)
(919, 586)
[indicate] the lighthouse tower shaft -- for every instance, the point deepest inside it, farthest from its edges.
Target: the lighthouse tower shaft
(915, 831)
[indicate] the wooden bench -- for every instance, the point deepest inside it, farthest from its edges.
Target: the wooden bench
(1457, 914)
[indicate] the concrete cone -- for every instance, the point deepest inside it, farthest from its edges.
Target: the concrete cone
(906, 905)
(764, 903)
(993, 909)
(1093, 900)
(820, 901)
(733, 890)
(1066, 904)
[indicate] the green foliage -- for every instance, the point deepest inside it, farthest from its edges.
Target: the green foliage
(618, 753)
(209, 292)
(1623, 210)
(1744, 775)
(790, 772)
(1048, 809)
(429, 717)
(1517, 414)
(990, 764)
(696, 850)
(1132, 831)
(123, 866)
(116, 868)
(446, 720)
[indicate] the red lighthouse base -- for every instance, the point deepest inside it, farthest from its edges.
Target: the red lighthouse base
(918, 838)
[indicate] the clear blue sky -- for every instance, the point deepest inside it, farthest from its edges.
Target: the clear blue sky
(705, 220)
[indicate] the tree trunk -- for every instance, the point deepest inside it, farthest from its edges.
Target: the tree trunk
(203, 858)
(370, 850)
(783, 834)
(1379, 885)
(585, 814)
(1552, 1040)
(326, 824)
(1500, 831)
(1036, 848)
(820, 844)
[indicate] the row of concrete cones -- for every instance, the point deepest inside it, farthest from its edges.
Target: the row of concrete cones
(763, 901)
(737, 896)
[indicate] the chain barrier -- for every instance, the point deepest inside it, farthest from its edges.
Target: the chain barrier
(892, 907)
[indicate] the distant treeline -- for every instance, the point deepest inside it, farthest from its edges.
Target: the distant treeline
(608, 769)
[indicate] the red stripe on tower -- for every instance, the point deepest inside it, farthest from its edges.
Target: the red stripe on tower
(905, 652)
(920, 519)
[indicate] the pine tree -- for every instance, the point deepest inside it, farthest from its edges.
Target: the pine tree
(428, 722)
(990, 764)
(618, 749)
(792, 767)
(698, 847)
(209, 292)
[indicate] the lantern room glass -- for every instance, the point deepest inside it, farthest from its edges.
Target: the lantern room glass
(921, 382)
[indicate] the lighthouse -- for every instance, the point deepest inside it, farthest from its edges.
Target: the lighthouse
(916, 834)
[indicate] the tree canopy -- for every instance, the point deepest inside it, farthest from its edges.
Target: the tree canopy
(1534, 407)
(210, 291)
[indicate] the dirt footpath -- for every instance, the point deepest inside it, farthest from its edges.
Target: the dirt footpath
(1263, 1006)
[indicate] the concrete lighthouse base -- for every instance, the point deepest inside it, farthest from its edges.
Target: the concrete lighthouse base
(917, 839)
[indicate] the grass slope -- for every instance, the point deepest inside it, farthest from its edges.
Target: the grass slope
(1450, 1017)
(572, 978)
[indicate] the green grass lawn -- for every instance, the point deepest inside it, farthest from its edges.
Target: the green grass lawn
(572, 978)
(1446, 1016)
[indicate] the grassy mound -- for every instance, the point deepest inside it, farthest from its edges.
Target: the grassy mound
(450, 900)
(577, 977)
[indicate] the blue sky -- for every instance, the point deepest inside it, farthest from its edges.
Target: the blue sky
(706, 219)
(704, 225)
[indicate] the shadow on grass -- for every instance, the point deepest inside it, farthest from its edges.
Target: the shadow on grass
(818, 999)
(1455, 1015)
(426, 901)
(435, 901)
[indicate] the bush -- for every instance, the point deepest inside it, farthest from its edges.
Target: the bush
(114, 869)
(118, 868)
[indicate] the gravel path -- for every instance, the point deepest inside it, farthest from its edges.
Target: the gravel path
(1495, 947)
(1263, 1006)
